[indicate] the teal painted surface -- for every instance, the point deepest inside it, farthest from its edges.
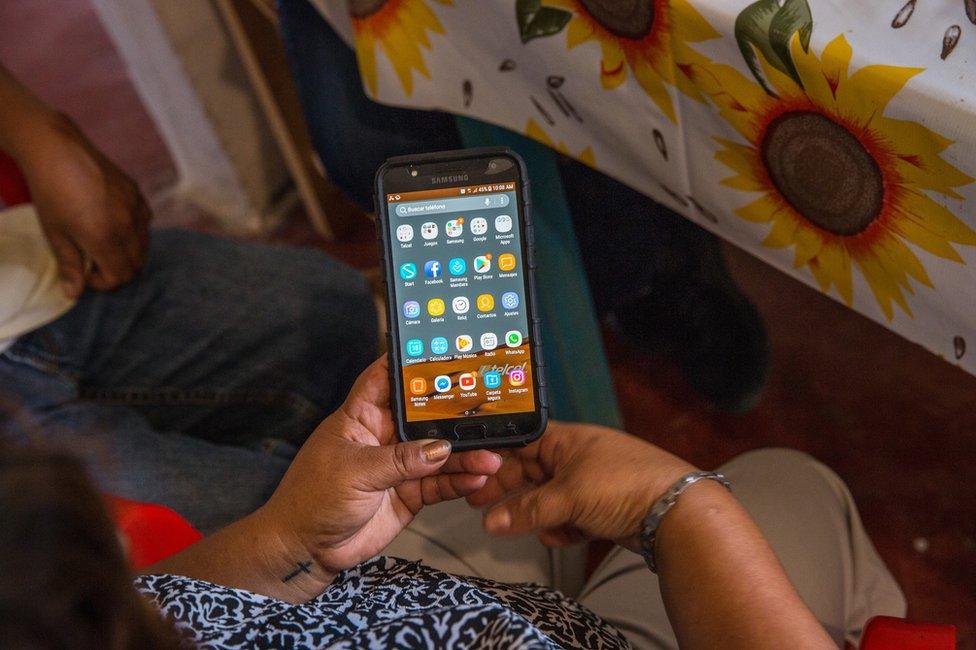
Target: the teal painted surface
(580, 386)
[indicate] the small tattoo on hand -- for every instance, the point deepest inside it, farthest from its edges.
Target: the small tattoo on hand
(301, 567)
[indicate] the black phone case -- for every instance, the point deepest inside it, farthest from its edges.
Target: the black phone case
(392, 337)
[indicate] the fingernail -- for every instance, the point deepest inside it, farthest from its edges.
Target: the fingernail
(498, 520)
(435, 452)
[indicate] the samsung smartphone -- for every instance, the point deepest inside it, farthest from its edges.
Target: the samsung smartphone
(457, 247)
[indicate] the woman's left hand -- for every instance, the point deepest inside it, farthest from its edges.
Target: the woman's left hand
(353, 487)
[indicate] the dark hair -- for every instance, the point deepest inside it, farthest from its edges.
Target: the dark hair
(64, 582)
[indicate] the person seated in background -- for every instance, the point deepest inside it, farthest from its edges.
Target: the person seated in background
(781, 561)
(183, 369)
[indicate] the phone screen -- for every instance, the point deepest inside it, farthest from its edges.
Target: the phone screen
(458, 268)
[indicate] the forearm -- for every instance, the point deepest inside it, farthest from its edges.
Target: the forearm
(251, 554)
(25, 120)
(722, 584)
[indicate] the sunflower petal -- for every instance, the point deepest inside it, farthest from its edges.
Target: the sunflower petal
(936, 218)
(833, 264)
(742, 159)
(917, 157)
(739, 100)
(836, 58)
(613, 69)
(688, 24)
(784, 86)
(867, 92)
(587, 157)
(366, 57)
(809, 242)
(536, 132)
(899, 256)
(812, 75)
(783, 232)
(884, 289)
(654, 87)
(762, 210)
(579, 31)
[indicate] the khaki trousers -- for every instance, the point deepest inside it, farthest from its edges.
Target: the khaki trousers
(803, 508)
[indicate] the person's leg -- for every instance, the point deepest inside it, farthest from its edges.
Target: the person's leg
(811, 521)
(664, 282)
(228, 341)
(351, 133)
(449, 537)
(210, 485)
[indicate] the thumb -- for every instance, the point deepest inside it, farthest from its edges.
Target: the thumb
(71, 267)
(542, 508)
(390, 465)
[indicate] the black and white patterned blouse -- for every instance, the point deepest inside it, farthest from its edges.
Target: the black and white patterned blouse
(383, 603)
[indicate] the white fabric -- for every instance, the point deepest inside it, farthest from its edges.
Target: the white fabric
(31, 293)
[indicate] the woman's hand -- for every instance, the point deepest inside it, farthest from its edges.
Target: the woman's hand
(93, 215)
(353, 487)
(578, 482)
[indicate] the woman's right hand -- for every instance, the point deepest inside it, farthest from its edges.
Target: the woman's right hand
(578, 482)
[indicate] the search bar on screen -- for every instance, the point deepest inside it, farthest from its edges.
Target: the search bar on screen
(440, 206)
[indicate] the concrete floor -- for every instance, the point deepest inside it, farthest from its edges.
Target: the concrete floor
(896, 422)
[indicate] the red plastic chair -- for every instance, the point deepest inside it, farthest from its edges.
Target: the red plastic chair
(151, 533)
(889, 633)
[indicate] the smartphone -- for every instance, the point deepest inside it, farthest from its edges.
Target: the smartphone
(463, 332)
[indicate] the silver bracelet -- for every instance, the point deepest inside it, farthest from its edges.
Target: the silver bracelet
(660, 508)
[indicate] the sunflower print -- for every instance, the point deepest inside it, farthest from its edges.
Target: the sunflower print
(536, 132)
(841, 183)
(400, 28)
(647, 37)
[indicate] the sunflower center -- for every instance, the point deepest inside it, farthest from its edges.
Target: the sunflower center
(824, 172)
(364, 8)
(626, 18)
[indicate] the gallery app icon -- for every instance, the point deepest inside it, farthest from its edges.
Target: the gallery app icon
(428, 230)
(408, 271)
(506, 262)
(438, 345)
(503, 223)
(489, 341)
(435, 307)
(457, 266)
(486, 302)
(467, 381)
(510, 300)
(491, 379)
(442, 383)
(411, 309)
(404, 232)
(516, 376)
(463, 343)
(513, 339)
(482, 264)
(460, 305)
(454, 227)
(479, 226)
(418, 385)
(415, 348)
(432, 269)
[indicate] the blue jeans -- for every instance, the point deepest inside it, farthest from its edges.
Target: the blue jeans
(194, 385)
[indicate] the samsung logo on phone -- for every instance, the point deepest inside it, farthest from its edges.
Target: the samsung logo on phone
(438, 180)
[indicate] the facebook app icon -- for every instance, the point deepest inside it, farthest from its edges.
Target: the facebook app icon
(432, 269)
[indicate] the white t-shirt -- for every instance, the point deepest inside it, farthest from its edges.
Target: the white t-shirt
(30, 289)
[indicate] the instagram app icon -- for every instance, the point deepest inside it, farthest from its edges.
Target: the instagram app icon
(516, 377)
